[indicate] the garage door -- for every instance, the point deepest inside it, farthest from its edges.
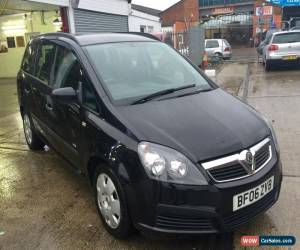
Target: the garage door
(94, 22)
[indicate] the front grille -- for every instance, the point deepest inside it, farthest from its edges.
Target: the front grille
(235, 166)
(185, 223)
(230, 172)
(261, 156)
(245, 214)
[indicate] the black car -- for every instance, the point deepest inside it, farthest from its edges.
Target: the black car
(164, 148)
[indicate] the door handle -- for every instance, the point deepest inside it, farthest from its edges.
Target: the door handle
(27, 91)
(49, 107)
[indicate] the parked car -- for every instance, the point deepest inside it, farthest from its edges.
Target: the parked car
(219, 48)
(296, 28)
(294, 23)
(282, 48)
(266, 37)
(165, 150)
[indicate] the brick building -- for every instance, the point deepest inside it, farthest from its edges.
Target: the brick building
(265, 16)
(181, 15)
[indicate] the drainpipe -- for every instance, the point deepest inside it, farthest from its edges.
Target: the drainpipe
(71, 21)
(64, 19)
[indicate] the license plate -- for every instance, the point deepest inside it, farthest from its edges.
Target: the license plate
(289, 58)
(253, 195)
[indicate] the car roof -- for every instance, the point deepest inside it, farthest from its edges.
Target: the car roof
(213, 39)
(100, 38)
(285, 32)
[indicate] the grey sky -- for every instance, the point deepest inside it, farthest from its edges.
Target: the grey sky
(156, 4)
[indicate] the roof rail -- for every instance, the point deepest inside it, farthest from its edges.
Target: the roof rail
(59, 34)
(148, 35)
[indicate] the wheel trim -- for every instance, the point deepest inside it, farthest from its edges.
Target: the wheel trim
(108, 201)
(27, 129)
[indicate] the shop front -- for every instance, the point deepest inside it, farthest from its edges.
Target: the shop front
(266, 16)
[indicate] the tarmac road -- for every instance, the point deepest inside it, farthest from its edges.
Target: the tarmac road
(44, 204)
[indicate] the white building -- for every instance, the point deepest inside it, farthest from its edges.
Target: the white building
(90, 16)
(21, 20)
(143, 19)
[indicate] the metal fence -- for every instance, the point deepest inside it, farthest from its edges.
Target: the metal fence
(188, 42)
(236, 35)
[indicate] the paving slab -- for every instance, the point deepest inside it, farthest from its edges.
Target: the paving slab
(231, 77)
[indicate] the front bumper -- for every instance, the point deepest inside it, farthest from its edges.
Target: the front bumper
(177, 209)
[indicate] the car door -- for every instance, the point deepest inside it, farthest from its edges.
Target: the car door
(25, 78)
(64, 117)
(266, 45)
(212, 47)
(41, 84)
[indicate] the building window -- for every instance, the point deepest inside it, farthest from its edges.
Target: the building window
(11, 42)
(143, 28)
(207, 3)
(20, 41)
(150, 29)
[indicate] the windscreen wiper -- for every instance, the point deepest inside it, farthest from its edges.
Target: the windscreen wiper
(161, 93)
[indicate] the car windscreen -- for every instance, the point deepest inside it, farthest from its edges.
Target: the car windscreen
(131, 70)
(292, 37)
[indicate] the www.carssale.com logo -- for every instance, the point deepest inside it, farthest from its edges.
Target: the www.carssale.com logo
(254, 241)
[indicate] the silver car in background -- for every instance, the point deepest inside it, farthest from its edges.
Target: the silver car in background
(282, 48)
(219, 48)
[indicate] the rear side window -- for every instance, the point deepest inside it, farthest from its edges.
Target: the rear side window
(287, 38)
(29, 57)
(45, 60)
(212, 44)
(226, 43)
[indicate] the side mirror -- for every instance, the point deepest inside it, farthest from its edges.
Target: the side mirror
(65, 94)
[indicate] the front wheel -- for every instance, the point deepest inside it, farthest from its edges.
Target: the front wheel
(32, 139)
(111, 203)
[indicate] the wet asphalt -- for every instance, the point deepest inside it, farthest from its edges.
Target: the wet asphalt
(44, 204)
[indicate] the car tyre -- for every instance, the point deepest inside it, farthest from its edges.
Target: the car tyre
(111, 203)
(219, 56)
(32, 139)
(268, 65)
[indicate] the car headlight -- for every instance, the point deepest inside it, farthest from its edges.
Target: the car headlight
(168, 165)
(272, 133)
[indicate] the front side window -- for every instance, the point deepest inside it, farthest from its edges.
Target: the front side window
(69, 73)
(212, 44)
(45, 60)
(136, 69)
(89, 97)
(66, 69)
